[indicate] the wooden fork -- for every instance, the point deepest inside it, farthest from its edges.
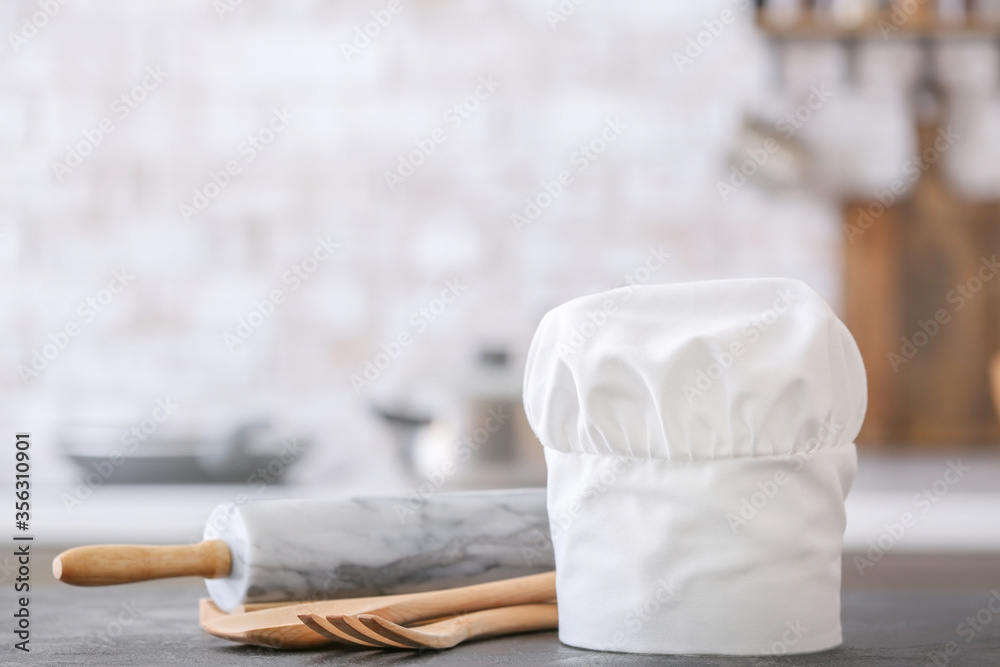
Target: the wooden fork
(349, 629)
(375, 631)
(281, 627)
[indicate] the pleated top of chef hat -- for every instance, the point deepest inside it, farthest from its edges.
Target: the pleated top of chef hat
(699, 442)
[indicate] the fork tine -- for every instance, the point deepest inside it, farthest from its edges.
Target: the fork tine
(374, 626)
(414, 638)
(321, 626)
(349, 625)
(455, 630)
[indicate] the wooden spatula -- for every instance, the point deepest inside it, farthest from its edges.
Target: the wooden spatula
(280, 627)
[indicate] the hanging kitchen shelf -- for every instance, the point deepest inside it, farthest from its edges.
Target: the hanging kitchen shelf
(904, 19)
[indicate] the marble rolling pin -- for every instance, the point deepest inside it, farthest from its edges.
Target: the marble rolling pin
(277, 550)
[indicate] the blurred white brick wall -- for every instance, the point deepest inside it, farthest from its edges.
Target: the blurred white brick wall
(324, 175)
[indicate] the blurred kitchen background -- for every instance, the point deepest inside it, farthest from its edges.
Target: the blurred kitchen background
(314, 239)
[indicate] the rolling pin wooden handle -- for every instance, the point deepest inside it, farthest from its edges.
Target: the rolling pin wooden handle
(124, 563)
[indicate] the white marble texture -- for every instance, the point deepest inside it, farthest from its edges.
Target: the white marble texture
(337, 548)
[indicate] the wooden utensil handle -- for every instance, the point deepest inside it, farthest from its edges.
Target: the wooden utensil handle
(125, 563)
(534, 588)
(512, 620)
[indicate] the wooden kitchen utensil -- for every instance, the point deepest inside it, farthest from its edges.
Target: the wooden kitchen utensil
(454, 631)
(208, 608)
(995, 381)
(280, 627)
(341, 629)
(208, 611)
(350, 630)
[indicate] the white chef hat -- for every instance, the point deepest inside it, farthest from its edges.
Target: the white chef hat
(699, 442)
